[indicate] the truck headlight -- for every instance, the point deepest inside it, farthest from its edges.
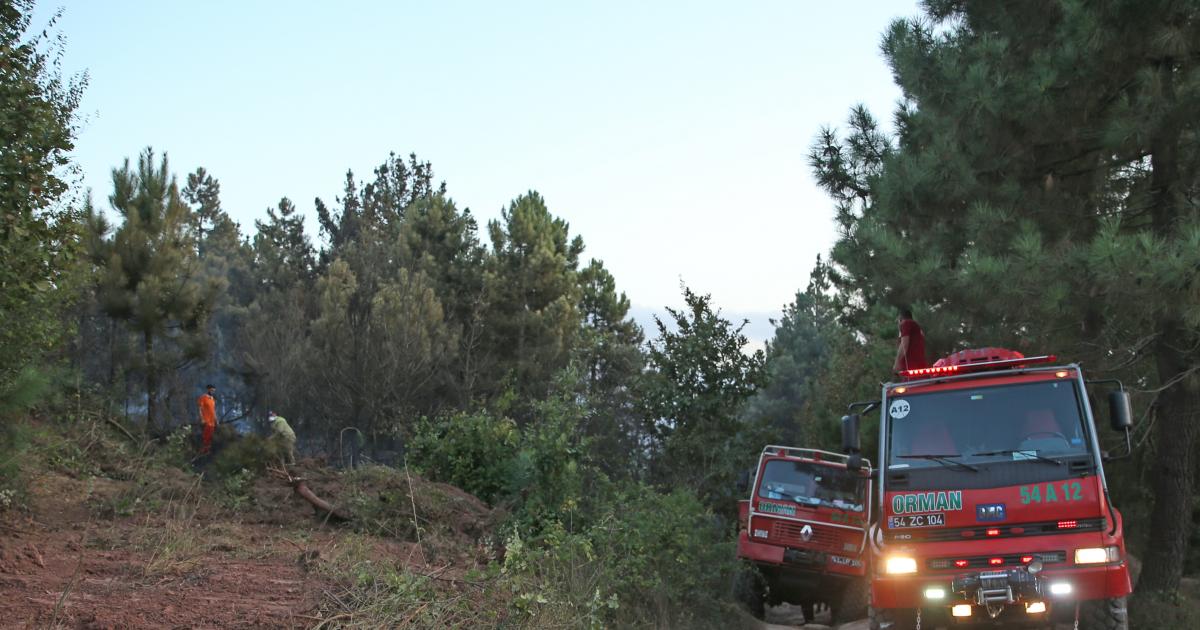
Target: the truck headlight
(897, 565)
(1097, 555)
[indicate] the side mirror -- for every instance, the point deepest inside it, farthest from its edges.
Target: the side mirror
(850, 441)
(1120, 413)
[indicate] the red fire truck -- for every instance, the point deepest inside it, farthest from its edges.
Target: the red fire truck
(993, 501)
(804, 528)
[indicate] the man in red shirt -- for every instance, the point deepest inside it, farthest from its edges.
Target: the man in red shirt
(911, 353)
(208, 418)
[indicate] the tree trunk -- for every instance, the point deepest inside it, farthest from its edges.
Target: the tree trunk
(1178, 404)
(151, 380)
(1178, 426)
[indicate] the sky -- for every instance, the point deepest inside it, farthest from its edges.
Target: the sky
(671, 135)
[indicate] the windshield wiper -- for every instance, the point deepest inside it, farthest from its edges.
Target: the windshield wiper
(945, 460)
(1026, 455)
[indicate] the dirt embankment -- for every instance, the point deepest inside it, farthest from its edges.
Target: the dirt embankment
(177, 552)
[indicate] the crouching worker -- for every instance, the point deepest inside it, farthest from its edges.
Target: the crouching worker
(283, 437)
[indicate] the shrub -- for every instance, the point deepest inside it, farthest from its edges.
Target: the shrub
(648, 559)
(251, 453)
(475, 452)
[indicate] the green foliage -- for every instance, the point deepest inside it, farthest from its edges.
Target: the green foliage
(532, 294)
(817, 365)
(647, 560)
(236, 489)
(252, 453)
(394, 503)
(38, 231)
(610, 360)
(552, 467)
(539, 469)
(380, 345)
(692, 398)
(15, 439)
(283, 255)
(374, 593)
(24, 390)
(147, 271)
(1157, 610)
(1037, 195)
(475, 452)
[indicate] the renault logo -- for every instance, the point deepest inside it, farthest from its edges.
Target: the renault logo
(806, 532)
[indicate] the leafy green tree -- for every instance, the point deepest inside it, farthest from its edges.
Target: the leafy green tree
(533, 295)
(39, 233)
(148, 275)
(1039, 193)
(699, 378)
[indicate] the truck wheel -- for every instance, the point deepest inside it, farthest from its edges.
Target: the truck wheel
(851, 602)
(890, 618)
(749, 590)
(809, 608)
(1104, 614)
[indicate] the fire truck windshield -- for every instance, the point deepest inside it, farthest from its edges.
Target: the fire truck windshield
(811, 484)
(1035, 422)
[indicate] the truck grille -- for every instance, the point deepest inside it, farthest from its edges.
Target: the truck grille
(823, 538)
(985, 562)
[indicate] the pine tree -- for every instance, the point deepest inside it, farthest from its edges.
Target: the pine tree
(609, 357)
(1039, 194)
(375, 356)
(532, 294)
(442, 242)
(283, 256)
(148, 275)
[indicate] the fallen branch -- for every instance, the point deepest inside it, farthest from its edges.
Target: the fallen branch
(113, 422)
(301, 488)
(317, 502)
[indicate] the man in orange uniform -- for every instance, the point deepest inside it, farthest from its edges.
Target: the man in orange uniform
(208, 417)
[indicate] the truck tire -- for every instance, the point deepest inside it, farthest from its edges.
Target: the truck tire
(851, 603)
(1104, 614)
(890, 618)
(750, 590)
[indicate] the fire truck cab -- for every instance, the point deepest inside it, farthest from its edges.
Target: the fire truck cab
(993, 506)
(804, 529)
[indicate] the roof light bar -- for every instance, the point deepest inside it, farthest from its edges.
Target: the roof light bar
(981, 366)
(930, 371)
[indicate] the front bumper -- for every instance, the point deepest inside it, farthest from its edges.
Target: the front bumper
(791, 559)
(1086, 583)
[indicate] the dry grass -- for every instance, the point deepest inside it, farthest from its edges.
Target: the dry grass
(175, 546)
(372, 591)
